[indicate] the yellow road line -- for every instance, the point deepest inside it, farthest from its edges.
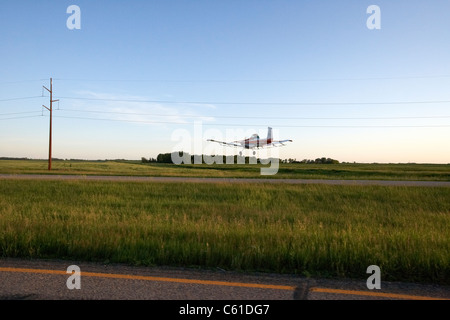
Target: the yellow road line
(374, 294)
(222, 283)
(148, 278)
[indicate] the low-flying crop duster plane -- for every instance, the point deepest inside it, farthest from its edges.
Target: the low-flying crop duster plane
(255, 142)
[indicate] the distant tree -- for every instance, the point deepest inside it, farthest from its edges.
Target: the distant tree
(322, 160)
(164, 158)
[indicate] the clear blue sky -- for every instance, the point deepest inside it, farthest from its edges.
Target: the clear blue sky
(310, 69)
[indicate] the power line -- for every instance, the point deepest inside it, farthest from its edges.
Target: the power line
(260, 103)
(256, 117)
(13, 118)
(239, 125)
(13, 113)
(21, 81)
(239, 80)
(259, 80)
(239, 102)
(259, 125)
(22, 98)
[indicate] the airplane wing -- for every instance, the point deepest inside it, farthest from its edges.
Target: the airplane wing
(230, 144)
(278, 143)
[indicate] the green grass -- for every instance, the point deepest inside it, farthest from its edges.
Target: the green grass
(437, 172)
(316, 230)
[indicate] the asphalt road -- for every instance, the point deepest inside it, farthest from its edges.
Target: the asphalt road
(48, 280)
(228, 180)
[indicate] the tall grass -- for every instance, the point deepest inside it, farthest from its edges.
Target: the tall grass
(437, 172)
(303, 229)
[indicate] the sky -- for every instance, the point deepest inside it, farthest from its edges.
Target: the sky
(139, 78)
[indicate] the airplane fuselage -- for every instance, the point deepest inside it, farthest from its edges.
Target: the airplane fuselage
(255, 142)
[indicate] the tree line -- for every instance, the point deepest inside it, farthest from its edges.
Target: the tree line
(322, 160)
(197, 159)
(167, 158)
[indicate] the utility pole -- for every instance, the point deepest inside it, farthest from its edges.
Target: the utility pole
(51, 111)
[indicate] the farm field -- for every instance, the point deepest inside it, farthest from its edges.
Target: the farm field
(427, 172)
(310, 230)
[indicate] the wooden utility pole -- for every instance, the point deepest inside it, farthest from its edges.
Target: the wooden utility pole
(51, 111)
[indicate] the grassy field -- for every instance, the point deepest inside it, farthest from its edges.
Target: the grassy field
(435, 172)
(309, 230)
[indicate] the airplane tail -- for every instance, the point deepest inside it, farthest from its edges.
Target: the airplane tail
(269, 136)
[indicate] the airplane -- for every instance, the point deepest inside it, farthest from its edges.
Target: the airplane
(254, 142)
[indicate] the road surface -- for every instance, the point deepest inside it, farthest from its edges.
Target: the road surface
(48, 280)
(227, 180)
